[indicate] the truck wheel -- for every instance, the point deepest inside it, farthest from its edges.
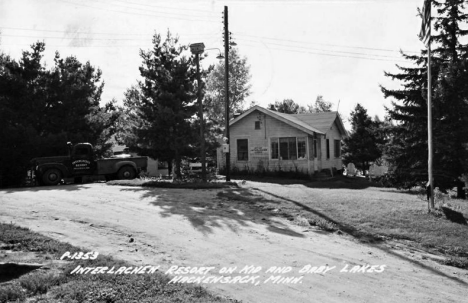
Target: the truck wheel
(52, 176)
(126, 172)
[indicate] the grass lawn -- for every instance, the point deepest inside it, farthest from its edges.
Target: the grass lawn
(52, 285)
(358, 207)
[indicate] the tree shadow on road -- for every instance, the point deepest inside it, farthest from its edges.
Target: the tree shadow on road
(60, 187)
(207, 210)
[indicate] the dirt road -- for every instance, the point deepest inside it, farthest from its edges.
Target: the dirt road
(177, 227)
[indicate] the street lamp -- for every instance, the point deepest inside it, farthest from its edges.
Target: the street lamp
(219, 56)
(197, 49)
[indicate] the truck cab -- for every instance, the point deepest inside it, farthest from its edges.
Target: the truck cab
(83, 159)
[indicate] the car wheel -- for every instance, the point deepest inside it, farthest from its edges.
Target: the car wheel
(126, 173)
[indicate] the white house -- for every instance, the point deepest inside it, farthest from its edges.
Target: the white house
(262, 138)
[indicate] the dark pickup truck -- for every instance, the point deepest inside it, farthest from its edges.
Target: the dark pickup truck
(82, 161)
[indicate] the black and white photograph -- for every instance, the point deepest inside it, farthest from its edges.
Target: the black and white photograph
(254, 151)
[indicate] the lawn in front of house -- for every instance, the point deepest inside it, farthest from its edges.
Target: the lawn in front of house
(358, 206)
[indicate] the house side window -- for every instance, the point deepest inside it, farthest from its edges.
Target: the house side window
(257, 124)
(337, 148)
(315, 148)
(274, 148)
(301, 148)
(242, 150)
(328, 148)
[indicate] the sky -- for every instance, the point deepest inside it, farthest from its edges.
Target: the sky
(296, 50)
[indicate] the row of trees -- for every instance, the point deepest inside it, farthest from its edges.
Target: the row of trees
(41, 109)
(288, 106)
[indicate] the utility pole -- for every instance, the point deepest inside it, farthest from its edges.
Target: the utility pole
(429, 127)
(425, 36)
(226, 82)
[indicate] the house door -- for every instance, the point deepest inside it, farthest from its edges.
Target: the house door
(318, 155)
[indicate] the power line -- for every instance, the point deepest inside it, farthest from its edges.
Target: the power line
(325, 44)
(260, 38)
(328, 54)
(166, 7)
(132, 13)
(77, 32)
(325, 50)
(84, 38)
(160, 12)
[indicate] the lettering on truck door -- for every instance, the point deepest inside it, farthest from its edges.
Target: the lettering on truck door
(81, 161)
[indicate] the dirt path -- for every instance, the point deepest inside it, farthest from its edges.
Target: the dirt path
(177, 227)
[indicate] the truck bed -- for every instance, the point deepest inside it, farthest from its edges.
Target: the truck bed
(112, 165)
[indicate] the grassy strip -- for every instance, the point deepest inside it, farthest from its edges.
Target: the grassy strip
(65, 287)
(169, 184)
(356, 206)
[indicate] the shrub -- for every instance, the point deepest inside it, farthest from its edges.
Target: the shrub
(11, 292)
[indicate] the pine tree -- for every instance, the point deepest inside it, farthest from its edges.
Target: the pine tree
(362, 145)
(407, 150)
(162, 109)
(41, 109)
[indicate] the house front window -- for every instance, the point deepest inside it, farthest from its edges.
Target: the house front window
(242, 150)
(274, 148)
(328, 148)
(315, 148)
(301, 148)
(288, 148)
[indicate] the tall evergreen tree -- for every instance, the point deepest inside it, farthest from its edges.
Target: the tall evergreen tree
(362, 145)
(407, 150)
(40, 110)
(163, 107)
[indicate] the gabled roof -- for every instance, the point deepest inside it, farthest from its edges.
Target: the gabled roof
(310, 123)
(286, 118)
(323, 121)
